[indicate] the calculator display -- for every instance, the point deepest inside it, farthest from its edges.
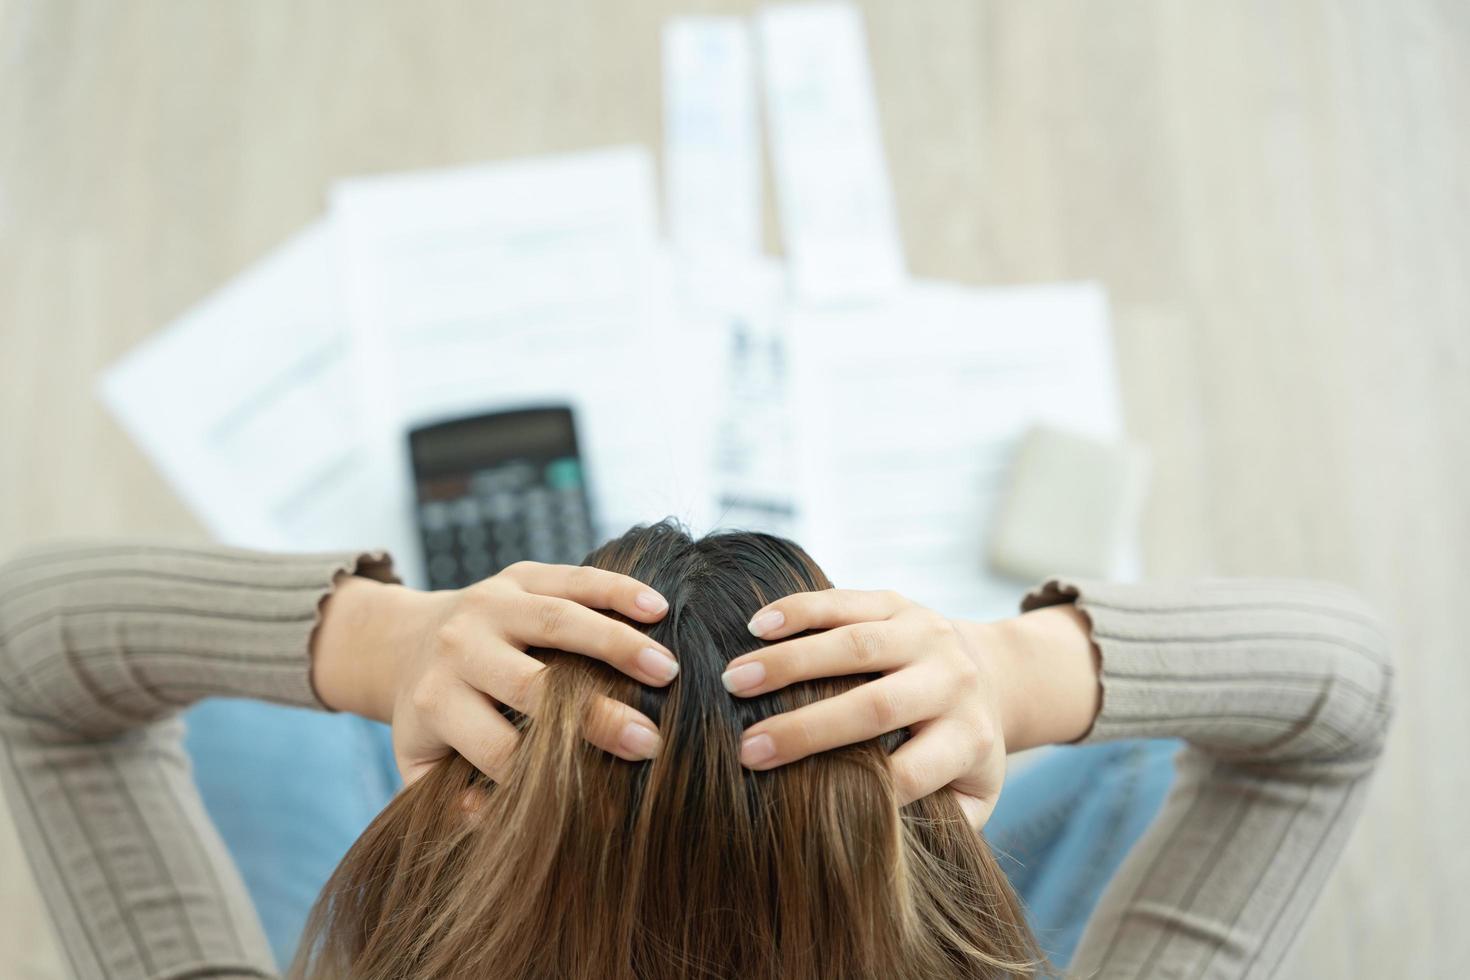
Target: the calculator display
(496, 489)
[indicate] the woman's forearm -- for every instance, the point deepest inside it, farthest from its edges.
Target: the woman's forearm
(102, 640)
(1046, 666)
(1282, 691)
(97, 639)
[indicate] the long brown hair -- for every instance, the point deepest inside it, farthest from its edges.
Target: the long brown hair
(580, 866)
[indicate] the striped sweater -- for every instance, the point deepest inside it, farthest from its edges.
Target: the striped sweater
(1282, 691)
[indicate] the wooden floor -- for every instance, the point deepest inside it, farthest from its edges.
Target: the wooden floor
(1277, 196)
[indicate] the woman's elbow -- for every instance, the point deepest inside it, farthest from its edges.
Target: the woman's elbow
(1358, 706)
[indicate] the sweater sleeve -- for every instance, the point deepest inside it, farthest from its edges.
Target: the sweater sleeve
(100, 646)
(1282, 692)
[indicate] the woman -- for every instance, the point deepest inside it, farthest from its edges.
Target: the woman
(1281, 689)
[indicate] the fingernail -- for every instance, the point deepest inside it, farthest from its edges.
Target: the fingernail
(658, 664)
(651, 602)
(639, 740)
(766, 622)
(744, 677)
(756, 750)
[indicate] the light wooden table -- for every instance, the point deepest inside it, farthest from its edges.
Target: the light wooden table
(1276, 195)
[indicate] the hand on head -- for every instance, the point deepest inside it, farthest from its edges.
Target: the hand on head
(931, 684)
(471, 657)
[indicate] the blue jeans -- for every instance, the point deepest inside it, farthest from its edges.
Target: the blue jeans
(1065, 823)
(290, 790)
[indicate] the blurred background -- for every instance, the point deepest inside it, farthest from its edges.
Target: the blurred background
(1275, 198)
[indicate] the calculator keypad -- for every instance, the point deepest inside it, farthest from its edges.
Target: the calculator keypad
(474, 526)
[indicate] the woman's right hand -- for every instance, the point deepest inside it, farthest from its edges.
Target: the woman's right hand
(934, 683)
(435, 665)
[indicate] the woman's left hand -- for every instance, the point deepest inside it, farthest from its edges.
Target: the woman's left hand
(934, 683)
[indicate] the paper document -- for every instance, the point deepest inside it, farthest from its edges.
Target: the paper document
(246, 405)
(837, 215)
(727, 290)
(829, 398)
(755, 465)
(520, 284)
(909, 415)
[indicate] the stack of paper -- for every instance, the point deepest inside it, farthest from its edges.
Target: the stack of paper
(830, 398)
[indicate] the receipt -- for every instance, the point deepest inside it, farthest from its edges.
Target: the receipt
(712, 164)
(836, 208)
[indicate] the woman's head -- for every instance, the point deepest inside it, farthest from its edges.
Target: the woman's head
(580, 865)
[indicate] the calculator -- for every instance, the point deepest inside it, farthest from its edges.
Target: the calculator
(495, 489)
